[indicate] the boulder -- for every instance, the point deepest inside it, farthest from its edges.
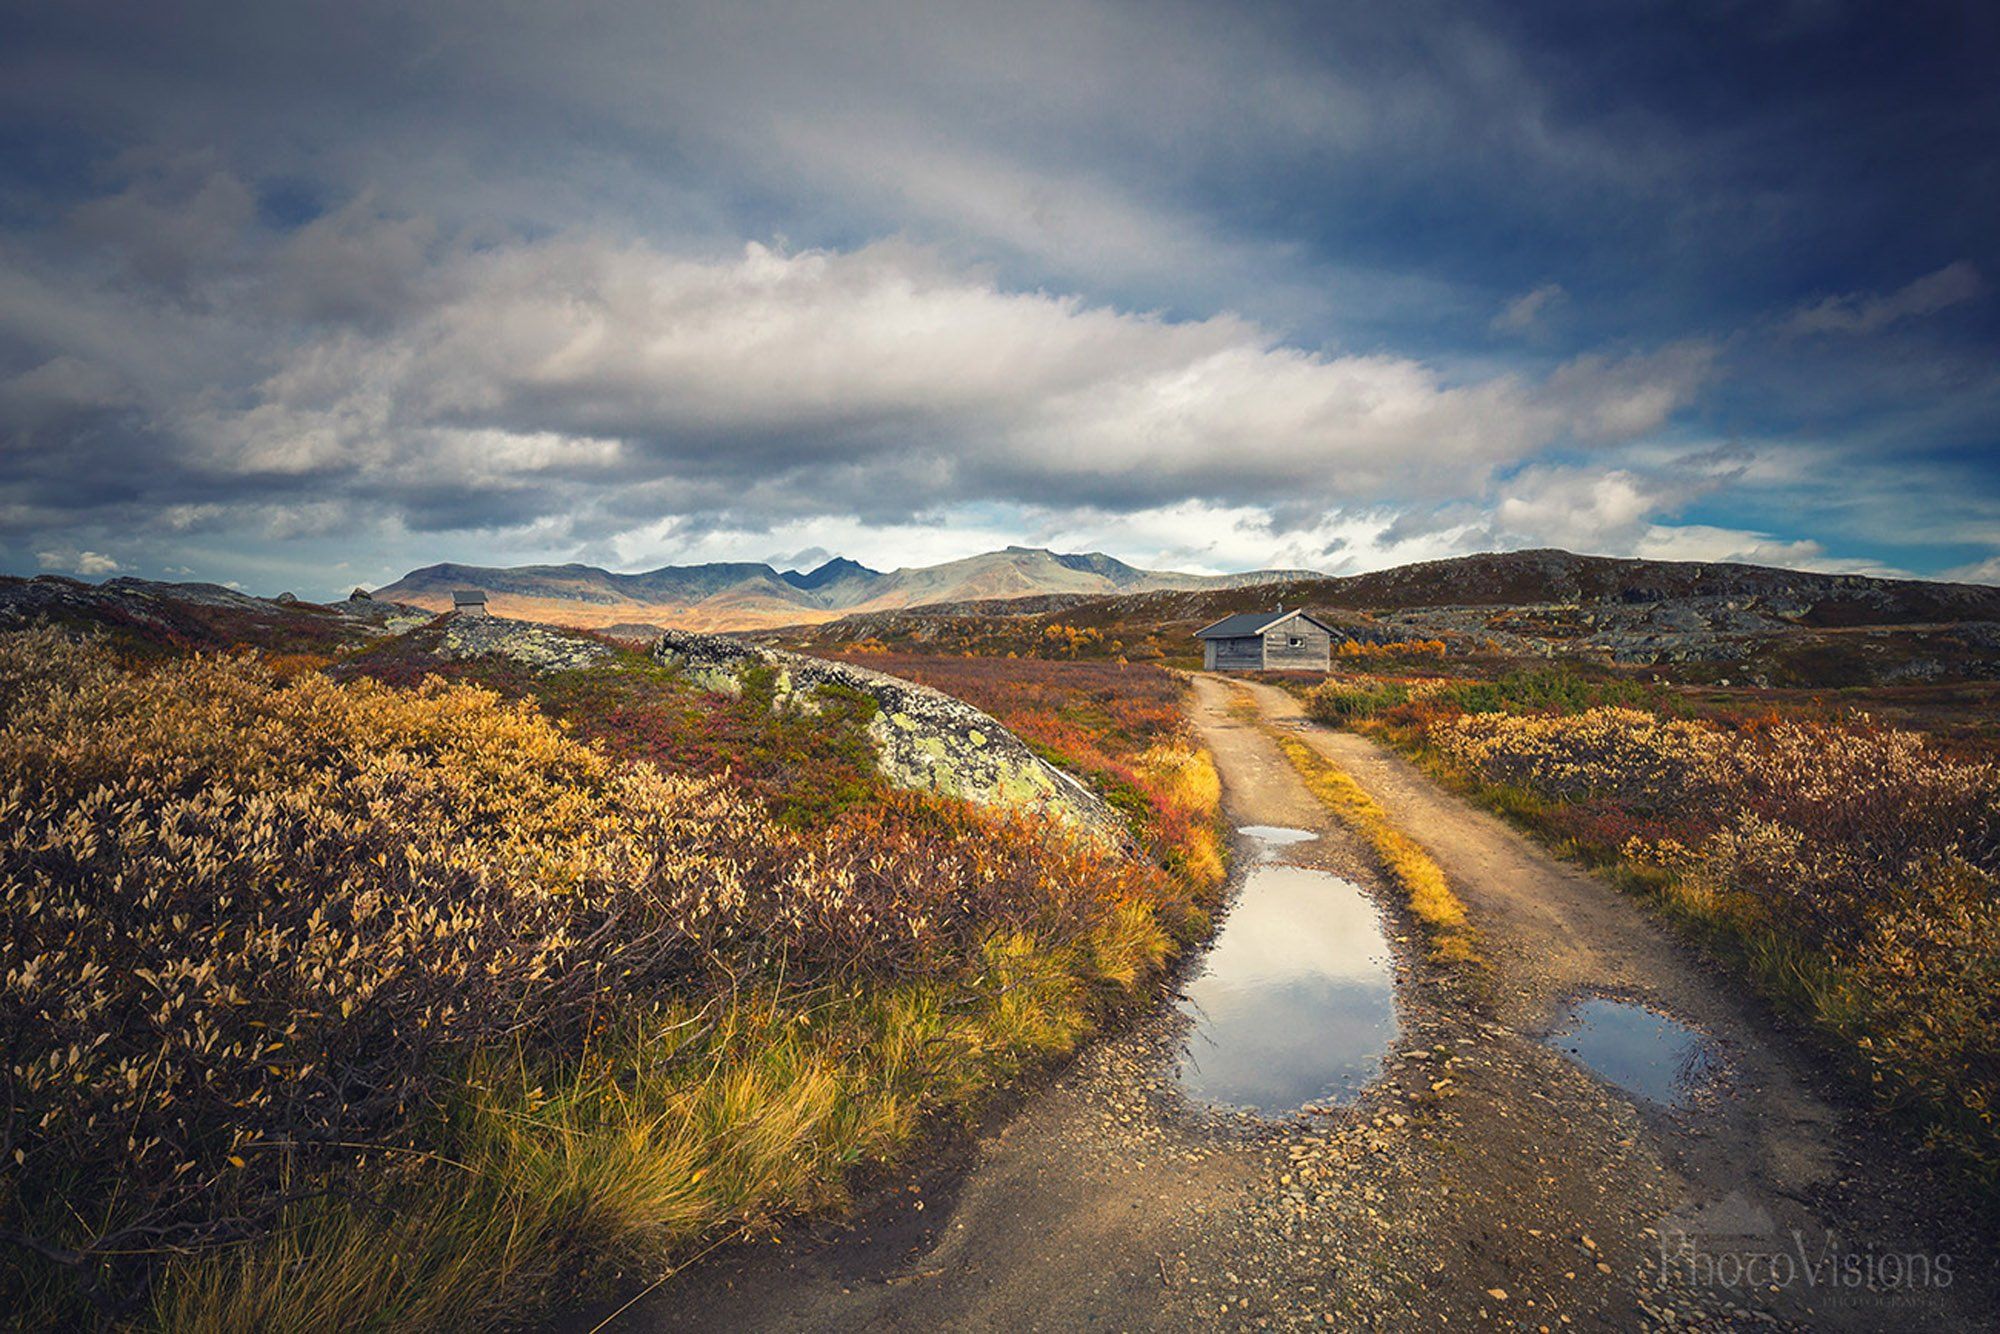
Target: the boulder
(924, 739)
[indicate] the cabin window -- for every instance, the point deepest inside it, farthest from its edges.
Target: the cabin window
(1295, 642)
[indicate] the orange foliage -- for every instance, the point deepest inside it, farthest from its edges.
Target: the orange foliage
(1069, 641)
(1859, 863)
(1402, 648)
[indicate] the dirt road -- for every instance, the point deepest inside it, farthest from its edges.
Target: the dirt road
(1483, 1180)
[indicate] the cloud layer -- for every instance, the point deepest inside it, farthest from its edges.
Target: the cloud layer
(309, 299)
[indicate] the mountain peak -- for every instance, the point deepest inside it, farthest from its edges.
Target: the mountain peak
(839, 567)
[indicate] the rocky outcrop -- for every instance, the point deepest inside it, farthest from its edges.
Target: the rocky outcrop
(546, 648)
(924, 739)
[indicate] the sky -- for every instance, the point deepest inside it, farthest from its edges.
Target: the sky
(302, 296)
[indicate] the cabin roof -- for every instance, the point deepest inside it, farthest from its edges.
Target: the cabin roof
(1249, 624)
(467, 597)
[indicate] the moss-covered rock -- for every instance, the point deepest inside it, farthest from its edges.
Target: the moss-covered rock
(924, 739)
(546, 648)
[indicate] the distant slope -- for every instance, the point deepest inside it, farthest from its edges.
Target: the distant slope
(1703, 619)
(746, 596)
(1550, 578)
(1520, 578)
(145, 616)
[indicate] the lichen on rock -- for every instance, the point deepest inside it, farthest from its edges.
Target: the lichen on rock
(546, 648)
(924, 739)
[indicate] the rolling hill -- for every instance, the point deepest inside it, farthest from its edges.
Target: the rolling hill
(1702, 619)
(749, 596)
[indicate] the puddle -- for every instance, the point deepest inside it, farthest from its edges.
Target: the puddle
(1295, 1002)
(1270, 837)
(1644, 1053)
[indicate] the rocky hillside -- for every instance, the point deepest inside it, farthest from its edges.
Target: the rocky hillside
(739, 596)
(143, 614)
(924, 740)
(1701, 620)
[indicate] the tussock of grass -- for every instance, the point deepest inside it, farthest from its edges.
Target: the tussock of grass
(542, 1169)
(1188, 797)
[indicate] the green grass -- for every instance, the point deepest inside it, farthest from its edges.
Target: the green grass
(705, 1124)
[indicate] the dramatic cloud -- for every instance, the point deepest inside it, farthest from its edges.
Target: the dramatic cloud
(771, 384)
(1704, 542)
(1979, 572)
(308, 296)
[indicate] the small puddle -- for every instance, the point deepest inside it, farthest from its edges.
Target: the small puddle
(1295, 1002)
(1640, 1050)
(1269, 838)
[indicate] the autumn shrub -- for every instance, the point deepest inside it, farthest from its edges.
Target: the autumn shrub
(1857, 866)
(1627, 755)
(1824, 823)
(1413, 700)
(259, 931)
(1399, 648)
(1071, 641)
(1120, 727)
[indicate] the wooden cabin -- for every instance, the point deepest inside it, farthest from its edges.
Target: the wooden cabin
(468, 602)
(1267, 641)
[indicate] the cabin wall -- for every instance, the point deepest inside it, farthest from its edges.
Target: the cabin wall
(1235, 655)
(1313, 651)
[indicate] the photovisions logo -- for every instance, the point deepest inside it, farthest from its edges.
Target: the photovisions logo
(1734, 1244)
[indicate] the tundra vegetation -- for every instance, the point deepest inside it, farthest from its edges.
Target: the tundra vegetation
(406, 993)
(1849, 867)
(1118, 726)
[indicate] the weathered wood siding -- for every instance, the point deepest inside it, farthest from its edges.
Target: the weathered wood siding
(1235, 655)
(1297, 645)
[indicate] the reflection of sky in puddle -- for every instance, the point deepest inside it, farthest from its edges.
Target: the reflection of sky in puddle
(1646, 1054)
(1295, 1002)
(1269, 837)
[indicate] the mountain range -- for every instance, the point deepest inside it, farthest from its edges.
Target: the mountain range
(754, 596)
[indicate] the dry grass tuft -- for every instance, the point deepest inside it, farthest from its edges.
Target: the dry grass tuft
(1451, 936)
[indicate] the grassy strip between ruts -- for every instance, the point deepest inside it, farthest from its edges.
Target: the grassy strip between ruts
(1451, 936)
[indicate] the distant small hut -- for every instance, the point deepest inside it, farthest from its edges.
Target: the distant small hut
(1260, 641)
(469, 602)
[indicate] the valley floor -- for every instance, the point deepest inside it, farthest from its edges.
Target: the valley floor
(1483, 1181)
